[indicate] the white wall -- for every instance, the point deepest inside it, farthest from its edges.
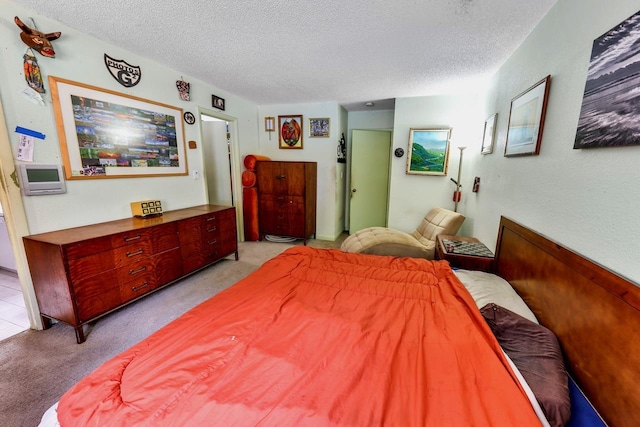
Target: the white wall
(412, 196)
(320, 150)
(80, 58)
(585, 199)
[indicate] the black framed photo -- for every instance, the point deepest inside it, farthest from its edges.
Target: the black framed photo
(217, 102)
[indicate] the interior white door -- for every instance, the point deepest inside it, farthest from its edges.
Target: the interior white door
(370, 159)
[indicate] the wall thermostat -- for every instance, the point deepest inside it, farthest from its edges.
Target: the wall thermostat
(40, 180)
(399, 152)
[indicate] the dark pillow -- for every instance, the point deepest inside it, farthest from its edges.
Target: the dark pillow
(536, 353)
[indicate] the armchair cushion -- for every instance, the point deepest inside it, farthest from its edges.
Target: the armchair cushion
(386, 241)
(420, 243)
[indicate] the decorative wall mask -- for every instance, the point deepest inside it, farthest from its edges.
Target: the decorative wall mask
(183, 89)
(37, 40)
(126, 74)
(32, 72)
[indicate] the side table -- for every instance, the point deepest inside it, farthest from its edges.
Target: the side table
(467, 253)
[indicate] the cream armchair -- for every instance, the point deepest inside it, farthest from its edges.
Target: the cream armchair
(420, 243)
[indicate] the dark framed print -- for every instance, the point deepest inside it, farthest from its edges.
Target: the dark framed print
(611, 102)
(319, 128)
(526, 120)
(217, 102)
(489, 134)
(428, 151)
(290, 130)
(106, 134)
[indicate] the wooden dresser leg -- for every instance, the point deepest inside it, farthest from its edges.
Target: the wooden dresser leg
(80, 338)
(237, 257)
(46, 322)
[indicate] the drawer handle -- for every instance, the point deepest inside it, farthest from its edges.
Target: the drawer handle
(280, 216)
(211, 218)
(137, 288)
(212, 229)
(128, 239)
(280, 177)
(212, 242)
(138, 252)
(140, 270)
(281, 198)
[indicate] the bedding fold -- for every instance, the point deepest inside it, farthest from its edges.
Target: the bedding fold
(315, 337)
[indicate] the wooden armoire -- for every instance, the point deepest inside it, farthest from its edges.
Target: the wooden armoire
(287, 198)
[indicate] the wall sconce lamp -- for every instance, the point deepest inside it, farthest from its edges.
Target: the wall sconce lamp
(457, 194)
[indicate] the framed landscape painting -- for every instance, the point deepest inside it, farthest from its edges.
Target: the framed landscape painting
(106, 134)
(526, 120)
(428, 151)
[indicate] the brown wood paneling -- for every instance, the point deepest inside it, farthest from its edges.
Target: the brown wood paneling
(594, 313)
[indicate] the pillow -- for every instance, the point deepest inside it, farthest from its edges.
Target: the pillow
(487, 287)
(536, 353)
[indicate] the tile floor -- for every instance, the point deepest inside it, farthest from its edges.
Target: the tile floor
(13, 314)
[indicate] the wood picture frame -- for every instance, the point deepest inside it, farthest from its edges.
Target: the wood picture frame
(217, 102)
(106, 134)
(319, 128)
(526, 120)
(290, 131)
(428, 151)
(269, 124)
(489, 134)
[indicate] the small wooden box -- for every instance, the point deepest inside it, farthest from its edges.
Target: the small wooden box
(146, 208)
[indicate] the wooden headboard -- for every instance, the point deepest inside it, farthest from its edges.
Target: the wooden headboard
(594, 313)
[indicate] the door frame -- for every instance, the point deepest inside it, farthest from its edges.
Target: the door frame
(17, 225)
(234, 152)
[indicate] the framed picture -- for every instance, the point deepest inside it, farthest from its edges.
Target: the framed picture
(106, 134)
(290, 129)
(489, 134)
(428, 151)
(319, 128)
(269, 124)
(217, 102)
(526, 120)
(609, 111)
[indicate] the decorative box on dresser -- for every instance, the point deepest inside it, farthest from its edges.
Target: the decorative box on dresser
(80, 274)
(287, 198)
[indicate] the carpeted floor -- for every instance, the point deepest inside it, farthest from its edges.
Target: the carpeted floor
(37, 367)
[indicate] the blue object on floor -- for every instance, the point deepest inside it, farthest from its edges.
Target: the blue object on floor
(582, 413)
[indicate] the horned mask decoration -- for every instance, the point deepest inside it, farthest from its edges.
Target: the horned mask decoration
(37, 40)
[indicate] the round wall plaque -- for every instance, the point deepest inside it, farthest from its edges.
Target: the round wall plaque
(189, 118)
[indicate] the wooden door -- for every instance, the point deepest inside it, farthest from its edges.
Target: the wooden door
(370, 159)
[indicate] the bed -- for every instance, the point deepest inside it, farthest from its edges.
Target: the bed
(321, 337)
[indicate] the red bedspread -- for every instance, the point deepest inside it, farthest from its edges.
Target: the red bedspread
(314, 338)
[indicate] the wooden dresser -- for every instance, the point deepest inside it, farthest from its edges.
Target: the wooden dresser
(82, 273)
(287, 198)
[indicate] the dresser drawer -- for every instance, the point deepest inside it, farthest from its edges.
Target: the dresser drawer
(159, 239)
(96, 294)
(98, 300)
(106, 243)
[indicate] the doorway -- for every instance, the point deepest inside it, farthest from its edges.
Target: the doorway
(221, 163)
(369, 179)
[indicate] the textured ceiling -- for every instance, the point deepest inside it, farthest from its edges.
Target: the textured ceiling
(297, 51)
